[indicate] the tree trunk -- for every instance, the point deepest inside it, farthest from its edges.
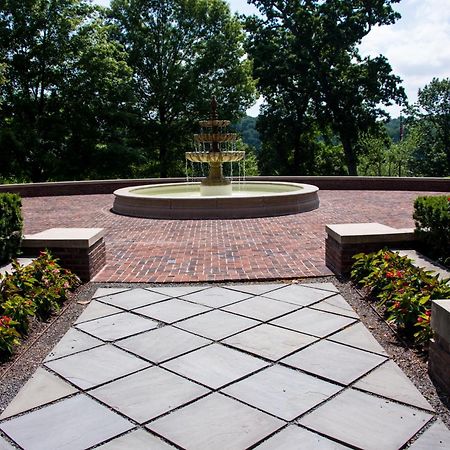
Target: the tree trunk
(350, 156)
(163, 147)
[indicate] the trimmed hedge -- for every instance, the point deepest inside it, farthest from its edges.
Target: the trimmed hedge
(432, 219)
(11, 224)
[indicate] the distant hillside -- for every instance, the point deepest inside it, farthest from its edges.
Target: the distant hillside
(393, 129)
(247, 129)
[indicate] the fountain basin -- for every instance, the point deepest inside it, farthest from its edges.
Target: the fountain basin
(183, 201)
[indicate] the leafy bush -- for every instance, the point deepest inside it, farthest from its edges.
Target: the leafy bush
(432, 218)
(38, 289)
(404, 290)
(10, 226)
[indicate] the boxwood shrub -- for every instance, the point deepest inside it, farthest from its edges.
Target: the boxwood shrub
(432, 218)
(11, 224)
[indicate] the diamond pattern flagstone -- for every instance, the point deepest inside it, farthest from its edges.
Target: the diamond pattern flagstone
(96, 366)
(255, 289)
(283, 392)
(398, 388)
(216, 324)
(337, 305)
(311, 321)
(73, 341)
(95, 310)
(136, 440)
(148, 394)
(216, 422)
(103, 292)
(214, 365)
(261, 308)
(295, 438)
(177, 291)
(365, 421)
(172, 310)
(298, 294)
(325, 286)
(360, 337)
(43, 387)
(118, 326)
(134, 298)
(437, 437)
(162, 344)
(216, 297)
(269, 341)
(5, 445)
(334, 361)
(75, 423)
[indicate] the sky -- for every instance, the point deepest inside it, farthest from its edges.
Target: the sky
(417, 46)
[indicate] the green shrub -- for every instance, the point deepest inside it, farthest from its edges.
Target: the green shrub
(38, 289)
(405, 290)
(10, 226)
(432, 218)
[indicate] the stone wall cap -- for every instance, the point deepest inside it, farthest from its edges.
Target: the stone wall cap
(440, 318)
(362, 233)
(64, 237)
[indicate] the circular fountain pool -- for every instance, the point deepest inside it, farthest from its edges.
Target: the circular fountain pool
(183, 201)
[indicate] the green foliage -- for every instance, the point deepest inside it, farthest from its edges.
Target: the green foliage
(246, 127)
(432, 219)
(404, 290)
(11, 223)
(38, 289)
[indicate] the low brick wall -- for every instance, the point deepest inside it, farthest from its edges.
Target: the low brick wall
(325, 183)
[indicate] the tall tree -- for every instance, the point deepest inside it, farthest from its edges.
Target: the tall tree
(313, 46)
(181, 53)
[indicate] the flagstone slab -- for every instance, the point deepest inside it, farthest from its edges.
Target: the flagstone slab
(389, 381)
(255, 289)
(172, 310)
(134, 298)
(360, 337)
(283, 392)
(73, 341)
(149, 393)
(216, 324)
(295, 438)
(71, 424)
(437, 437)
(216, 422)
(96, 366)
(324, 286)
(261, 308)
(103, 292)
(5, 445)
(216, 297)
(214, 365)
(311, 321)
(162, 344)
(337, 305)
(117, 326)
(269, 341)
(334, 361)
(96, 310)
(136, 440)
(298, 294)
(42, 388)
(366, 421)
(177, 291)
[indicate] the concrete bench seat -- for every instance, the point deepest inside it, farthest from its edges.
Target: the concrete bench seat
(347, 239)
(81, 250)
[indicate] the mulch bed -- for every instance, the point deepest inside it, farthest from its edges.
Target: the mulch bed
(44, 336)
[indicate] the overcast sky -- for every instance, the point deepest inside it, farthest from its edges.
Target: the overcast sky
(417, 46)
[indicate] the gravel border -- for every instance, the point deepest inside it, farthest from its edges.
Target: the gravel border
(44, 336)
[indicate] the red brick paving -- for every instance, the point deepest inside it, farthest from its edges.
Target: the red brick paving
(147, 250)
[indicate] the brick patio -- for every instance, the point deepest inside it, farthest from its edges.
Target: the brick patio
(146, 250)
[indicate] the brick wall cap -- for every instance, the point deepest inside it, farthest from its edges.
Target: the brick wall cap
(440, 318)
(64, 238)
(361, 233)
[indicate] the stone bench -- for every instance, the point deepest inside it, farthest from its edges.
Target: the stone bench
(346, 240)
(81, 250)
(439, 354)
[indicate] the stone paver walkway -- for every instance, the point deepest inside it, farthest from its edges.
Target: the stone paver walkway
(160, 251)
(267, 366)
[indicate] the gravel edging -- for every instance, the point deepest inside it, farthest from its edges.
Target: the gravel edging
(16, 372)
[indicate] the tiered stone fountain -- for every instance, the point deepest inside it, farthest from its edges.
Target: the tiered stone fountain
(214, 197)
